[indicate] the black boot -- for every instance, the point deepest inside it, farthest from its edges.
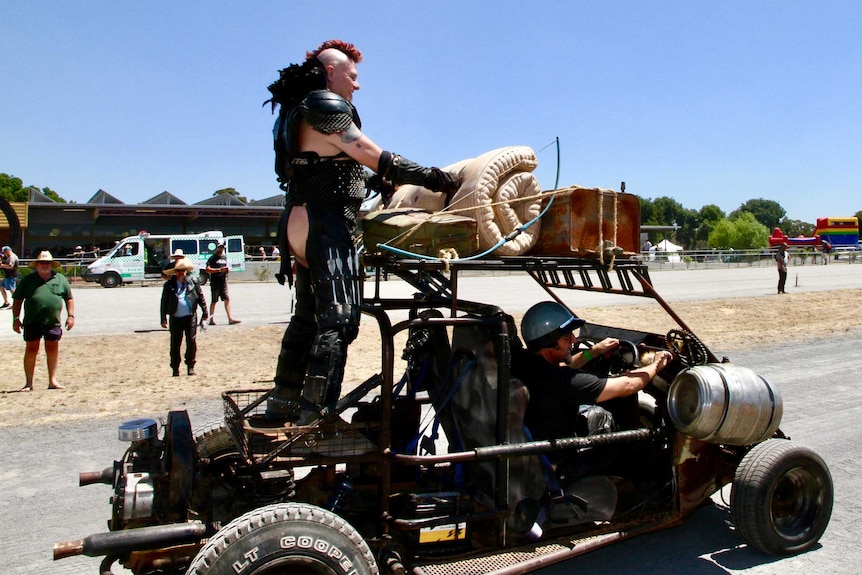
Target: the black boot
(282, 405)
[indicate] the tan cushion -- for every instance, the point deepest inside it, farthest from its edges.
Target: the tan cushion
(495, 176)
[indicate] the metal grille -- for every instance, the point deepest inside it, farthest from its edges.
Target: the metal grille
(501, 560)
(261, 442)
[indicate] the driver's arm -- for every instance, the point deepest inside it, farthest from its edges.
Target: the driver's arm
(635, 380)
(599, 349)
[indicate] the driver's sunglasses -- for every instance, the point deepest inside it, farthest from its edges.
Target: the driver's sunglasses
(572, 341)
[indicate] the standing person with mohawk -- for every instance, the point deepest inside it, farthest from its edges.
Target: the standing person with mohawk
(320, 152)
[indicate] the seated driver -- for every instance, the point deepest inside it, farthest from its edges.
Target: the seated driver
(560, 391)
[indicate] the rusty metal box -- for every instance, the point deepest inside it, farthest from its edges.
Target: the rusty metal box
(421, 232)
(581, 219)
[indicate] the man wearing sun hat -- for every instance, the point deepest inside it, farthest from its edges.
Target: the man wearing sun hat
(181, 296)
(175, 257)
(42, 294)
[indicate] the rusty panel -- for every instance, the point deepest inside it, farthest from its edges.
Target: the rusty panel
(576, 223)
(703, 469)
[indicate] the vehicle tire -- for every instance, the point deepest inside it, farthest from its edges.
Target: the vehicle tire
(781, 499)
(203, 277)
(213, 441)
(286, 538)
(110, 280)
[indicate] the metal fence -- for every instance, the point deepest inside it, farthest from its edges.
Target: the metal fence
(679, 260)
(710, 259)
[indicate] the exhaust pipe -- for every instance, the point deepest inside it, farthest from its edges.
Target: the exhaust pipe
(128, 540)
(90, 477)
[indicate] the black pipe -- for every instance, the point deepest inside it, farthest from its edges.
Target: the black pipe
(527, 448)
(128, 540)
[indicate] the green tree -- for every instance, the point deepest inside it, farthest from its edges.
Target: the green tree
(688, 221)
(53, 195)
(795, 228)
(723, 235)
(767, 212)
(859, 215)
(708, 216)
(12, 189)
(231, 191)
(647, 212)
(668, 211)
(743, 232)
(665, 211)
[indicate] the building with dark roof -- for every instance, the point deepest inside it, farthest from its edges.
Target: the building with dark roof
(105, 219)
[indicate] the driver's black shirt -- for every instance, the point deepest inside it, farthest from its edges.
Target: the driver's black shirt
(556, 392)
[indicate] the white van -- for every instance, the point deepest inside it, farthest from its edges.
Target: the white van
(142, 257)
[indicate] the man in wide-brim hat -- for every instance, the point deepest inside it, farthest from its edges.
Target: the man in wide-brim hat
(45, 257)
(181, 296)
(175, 257)
(42, 294)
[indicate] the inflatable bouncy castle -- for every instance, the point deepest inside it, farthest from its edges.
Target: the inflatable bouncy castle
(839, 232)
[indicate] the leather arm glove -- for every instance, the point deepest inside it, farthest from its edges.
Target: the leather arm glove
(402, 171)
(377, 183)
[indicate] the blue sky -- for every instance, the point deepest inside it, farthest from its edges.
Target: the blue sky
(704, 102)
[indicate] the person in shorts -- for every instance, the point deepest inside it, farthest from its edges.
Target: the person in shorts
(218, 270)
(42, 294)
(10, 275)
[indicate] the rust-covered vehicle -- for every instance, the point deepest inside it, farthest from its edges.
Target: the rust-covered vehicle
(426, 467)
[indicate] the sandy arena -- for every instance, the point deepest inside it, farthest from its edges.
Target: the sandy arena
(108, 375)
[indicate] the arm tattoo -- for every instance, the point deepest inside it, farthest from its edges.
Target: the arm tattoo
(351, 134)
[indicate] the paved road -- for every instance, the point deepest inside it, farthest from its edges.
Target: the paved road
(41, 503)
(135, 308)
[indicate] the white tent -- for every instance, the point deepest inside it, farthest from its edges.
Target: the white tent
(667, 246)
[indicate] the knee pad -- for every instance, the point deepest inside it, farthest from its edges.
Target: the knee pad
(340, 318)
(322, 384)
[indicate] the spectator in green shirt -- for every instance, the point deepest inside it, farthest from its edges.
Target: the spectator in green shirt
(42, 294)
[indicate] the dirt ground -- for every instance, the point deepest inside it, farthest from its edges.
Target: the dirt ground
(245, 358)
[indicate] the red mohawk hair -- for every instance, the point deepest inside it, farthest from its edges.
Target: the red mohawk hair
(347, 48)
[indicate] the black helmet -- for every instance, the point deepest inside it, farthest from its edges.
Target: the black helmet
(545, 323)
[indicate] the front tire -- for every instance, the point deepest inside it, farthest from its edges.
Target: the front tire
(782, 495)
(110, 280)
(286, 538)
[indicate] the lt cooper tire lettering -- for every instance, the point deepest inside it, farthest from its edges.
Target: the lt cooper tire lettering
(322, 546)
(250, 556)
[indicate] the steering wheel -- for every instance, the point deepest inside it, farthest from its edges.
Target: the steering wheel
(687, 347)
(622, 358)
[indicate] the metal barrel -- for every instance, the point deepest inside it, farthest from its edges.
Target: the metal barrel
(724, 403)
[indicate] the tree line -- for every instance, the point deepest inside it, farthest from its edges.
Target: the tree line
(747, 227)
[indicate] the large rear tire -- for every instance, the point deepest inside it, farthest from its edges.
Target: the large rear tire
(782, 495)
(286, 538)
